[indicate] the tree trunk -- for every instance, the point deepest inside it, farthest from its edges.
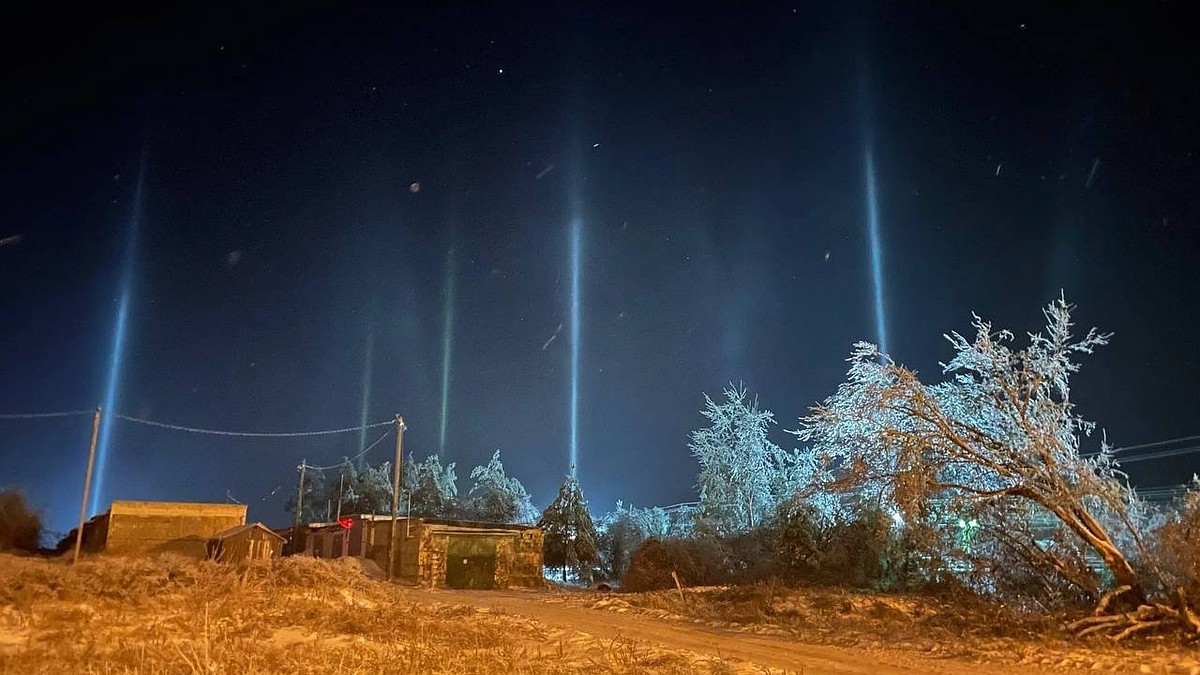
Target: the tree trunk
(1082, 523)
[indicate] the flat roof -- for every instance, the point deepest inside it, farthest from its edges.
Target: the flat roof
(176, 508)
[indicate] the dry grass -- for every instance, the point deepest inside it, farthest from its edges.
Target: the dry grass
(170, 616)
(845, 617)
(953, 625)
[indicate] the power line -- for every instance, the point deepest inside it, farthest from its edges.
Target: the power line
(1157, 443)
(351, 459)
(249, 434)
(1115, 453)
(1158, 455)
(38, 416)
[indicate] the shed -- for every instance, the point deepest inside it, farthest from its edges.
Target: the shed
(253, 541)
(161, 527)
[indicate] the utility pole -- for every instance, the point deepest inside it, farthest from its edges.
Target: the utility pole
(299, 507)
(341, 488)
(395, 494)
(87, 484)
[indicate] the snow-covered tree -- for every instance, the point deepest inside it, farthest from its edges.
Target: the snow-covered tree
(570, 535)
(622, 530)
(1001, 431)
(743, 475)
(365, 489)
(496, 497)
(434, 488)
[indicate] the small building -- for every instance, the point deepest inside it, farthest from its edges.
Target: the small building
(438, 553)
(160, 527)
(253, 541)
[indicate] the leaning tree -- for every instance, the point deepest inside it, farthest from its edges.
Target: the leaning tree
(1001, 434)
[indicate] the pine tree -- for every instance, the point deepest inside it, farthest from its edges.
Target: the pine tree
(570, 534)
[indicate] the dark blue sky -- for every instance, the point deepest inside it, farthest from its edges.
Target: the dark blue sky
(718, 155)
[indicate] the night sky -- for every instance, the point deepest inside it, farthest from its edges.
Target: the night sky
(714, 160)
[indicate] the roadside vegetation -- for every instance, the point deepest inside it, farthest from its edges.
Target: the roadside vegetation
(171, 615)
(987, 485)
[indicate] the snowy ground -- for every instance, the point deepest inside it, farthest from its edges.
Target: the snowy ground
(829, 631)
(171, 615)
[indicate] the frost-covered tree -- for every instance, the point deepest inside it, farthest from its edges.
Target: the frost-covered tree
(743, 475)
(497, 497)
(622, 530)
(365, 489)
(434, 488)
(1177, 542)
(1000, 433)
(570, 535)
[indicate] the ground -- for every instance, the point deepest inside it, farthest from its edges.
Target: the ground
(171, 615)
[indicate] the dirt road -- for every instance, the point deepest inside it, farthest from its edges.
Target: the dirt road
(760, 650)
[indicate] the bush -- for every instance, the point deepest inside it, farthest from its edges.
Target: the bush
(697, 562)
(1177, 546)
(864, 552)
(753, 556)
(20, 526)
(617, 540)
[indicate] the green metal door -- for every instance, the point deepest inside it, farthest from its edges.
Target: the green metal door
(471, 562)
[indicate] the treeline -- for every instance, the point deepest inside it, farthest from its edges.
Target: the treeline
(429, 489)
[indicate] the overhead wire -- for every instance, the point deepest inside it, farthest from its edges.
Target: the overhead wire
(1157, 443)
(1176, 452)
(249, 434)
(45, 415)
(351, 459)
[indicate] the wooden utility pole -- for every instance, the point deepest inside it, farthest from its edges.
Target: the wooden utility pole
(396, 494)
(87, 484)
(341, 489)
(299, 507)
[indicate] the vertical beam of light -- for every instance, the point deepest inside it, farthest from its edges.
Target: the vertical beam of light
(576, 254)
(447, 346)
(876, 251)
(874, 239)
(117, 355)
(368, 369)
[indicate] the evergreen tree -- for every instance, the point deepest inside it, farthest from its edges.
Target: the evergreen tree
(570, 534)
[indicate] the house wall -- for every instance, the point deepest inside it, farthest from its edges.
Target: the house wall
(525, 567)
(162, 527)
(373, 539)
(422, 549)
